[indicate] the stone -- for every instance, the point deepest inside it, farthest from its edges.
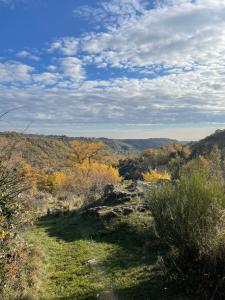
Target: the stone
(92, 262)
(108, 190)
(128, 210)
(132, 187)
(141, 208)
(53, 211)
(110, 215)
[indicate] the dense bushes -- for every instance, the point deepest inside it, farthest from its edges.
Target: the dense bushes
(89, 168)
(170, 157)
(10, 212)
(15, 255)
(11, 185)
(83, 179)
(189, 217)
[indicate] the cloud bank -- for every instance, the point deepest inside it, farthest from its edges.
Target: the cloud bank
(162, 64)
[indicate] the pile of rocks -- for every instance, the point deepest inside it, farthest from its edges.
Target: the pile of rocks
(115, 203)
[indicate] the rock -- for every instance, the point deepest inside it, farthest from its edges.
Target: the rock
(108, 190)
(132, 187)
(116, 198)
(141, 208)
(93, 212)
(53, 211)
(110, 215)
(102, 212)
(128, 210)
(118, 209)
(92, 262)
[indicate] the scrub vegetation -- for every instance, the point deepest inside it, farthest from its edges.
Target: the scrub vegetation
(90, 223)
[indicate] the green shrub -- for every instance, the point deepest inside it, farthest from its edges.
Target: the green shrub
(189, 217)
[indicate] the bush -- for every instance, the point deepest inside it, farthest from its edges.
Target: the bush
(53, 183)
(13, 218)
(189, 217)
(154, 176)
(90, 179)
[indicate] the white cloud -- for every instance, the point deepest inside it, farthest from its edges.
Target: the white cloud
(46, 78)
(179, 35)
(27, 54)
(187, 97)
(111, 13)
(52, 68)
(15, 72)
(72, 68)
(67, 46)
(182, 40)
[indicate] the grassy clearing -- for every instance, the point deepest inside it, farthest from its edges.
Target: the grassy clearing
(86, 259)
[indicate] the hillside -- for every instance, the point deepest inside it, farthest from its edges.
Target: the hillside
(137, 145)
(205, 145)
(45, 151)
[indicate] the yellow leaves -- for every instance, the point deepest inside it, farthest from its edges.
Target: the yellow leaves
(53, 182)
(58, 179)
(154, 176)
(150, 152)
(88, 169)
(81, 151)
(3, 234)
(92, 167)
(93, 177)
(27, 171)
(83, 178)
(163, 155)
(96, 169)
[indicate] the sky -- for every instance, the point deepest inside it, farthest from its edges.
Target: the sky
(118, 68)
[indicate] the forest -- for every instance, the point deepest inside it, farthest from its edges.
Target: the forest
(81, 220)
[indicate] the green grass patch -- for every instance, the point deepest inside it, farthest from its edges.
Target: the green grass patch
(89, 259)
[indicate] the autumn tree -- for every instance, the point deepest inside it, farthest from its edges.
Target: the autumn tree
(82, 151)
(29, 173)
(53, 183)
(96, 176)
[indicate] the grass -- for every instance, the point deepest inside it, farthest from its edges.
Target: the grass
(89, 259)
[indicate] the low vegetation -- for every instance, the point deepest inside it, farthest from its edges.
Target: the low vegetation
(189, 218)
(92, 224)
(106, 258)
(16, 263)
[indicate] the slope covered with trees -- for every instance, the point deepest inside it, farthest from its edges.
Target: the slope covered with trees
(52, 150)
(206, 145)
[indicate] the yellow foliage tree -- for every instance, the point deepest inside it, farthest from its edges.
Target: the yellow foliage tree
(81, 151)
(154, 176)
(29, 173)
(93, 177)
(3, 234)
(54, 182)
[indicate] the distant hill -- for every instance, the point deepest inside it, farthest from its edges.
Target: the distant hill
(49, 150)
(137, 145)
(205, 145)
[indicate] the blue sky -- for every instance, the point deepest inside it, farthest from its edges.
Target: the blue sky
(119, 68)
